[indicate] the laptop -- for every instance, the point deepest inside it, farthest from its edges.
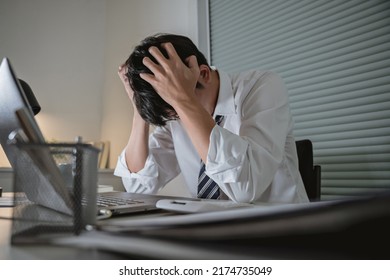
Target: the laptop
(16, 114)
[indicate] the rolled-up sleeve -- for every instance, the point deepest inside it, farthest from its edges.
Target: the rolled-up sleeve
(143, 181)
(245, 165)
(226, 156)
(160, 167)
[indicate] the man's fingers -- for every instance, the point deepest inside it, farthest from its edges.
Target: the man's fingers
(121, 66)
(156, 53)
(192, 62)
(172, 54)
(122, 70)
(151, 65)
(148, 78)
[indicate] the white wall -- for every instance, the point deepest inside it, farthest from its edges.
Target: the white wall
(58, 48)
(69, 52)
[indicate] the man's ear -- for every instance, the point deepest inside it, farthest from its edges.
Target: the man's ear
(204, 75)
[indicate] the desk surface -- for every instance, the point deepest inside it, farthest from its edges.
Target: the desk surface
(356, 229)
(41, 251)
(100, 245)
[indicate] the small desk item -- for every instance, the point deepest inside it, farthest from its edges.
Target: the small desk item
(42, 158)
(187, 206)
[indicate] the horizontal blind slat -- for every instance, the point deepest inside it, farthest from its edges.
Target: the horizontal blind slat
(357, 142)
(353, 175)
(329, 112)
(356, 167)
(346, 134)
(355, 184)
(356, 150)
(370, 116)
(381, 128)
(383, 157)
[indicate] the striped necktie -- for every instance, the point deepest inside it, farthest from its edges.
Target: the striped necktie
(207, 188)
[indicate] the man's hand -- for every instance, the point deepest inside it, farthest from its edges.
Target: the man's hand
(174, 81)
(122, 75)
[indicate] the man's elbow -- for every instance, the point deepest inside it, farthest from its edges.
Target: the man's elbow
(244, 197)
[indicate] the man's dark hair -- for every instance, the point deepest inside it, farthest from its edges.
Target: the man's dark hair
(152, 108)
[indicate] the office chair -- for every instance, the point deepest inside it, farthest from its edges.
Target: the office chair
(311, 174)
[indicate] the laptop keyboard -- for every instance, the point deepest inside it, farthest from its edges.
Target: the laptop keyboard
(106, 201)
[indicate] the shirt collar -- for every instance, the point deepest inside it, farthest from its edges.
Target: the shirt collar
(225, 103)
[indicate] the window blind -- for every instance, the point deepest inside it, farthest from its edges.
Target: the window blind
(334, 57)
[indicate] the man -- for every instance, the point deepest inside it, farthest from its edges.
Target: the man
(250, 155)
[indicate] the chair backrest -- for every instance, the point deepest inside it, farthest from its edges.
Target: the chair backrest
(311, 174)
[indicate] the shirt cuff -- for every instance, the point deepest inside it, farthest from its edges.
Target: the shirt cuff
(147, 176)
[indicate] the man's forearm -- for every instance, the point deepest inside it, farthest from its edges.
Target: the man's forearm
(198, 124)
(137, 149)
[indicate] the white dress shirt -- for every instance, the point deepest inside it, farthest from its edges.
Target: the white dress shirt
(252, 155)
